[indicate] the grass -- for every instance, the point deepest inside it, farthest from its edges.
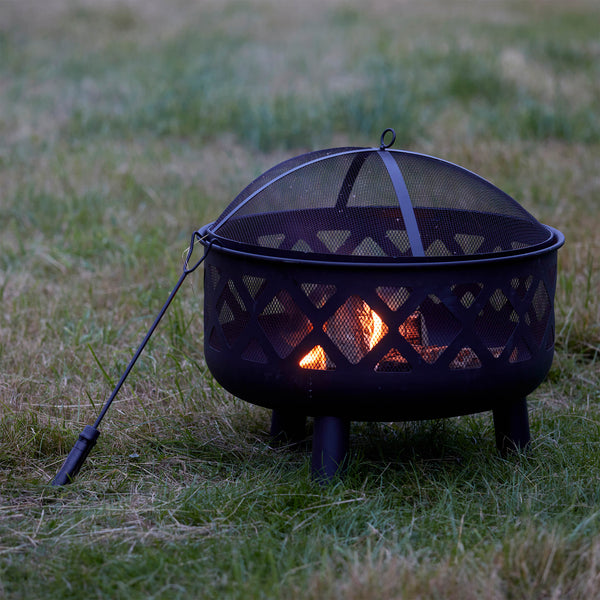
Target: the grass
(125, 125)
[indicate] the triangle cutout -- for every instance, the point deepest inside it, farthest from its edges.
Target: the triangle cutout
(317, 360)
(333, 238)
(254, 353)
(393, 362)
(465, 359)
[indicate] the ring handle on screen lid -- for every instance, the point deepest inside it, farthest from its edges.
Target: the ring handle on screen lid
(87, 439)
(382, 144)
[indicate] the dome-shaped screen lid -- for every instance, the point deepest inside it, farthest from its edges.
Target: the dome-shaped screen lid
(376, 204)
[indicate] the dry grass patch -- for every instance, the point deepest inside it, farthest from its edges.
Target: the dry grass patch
(125, 125)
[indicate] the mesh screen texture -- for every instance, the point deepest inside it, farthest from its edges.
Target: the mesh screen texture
(346, 202)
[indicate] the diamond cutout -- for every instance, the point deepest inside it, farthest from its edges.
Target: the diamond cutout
(393, 362)
(467, 292)
(284, 324)
(439, 326)
(496, 322)
(412, 329)
(498, 300)
(233, 324)
(541, 302)
(521, 285)
(538, 314)
(355, 329)
(431, 329)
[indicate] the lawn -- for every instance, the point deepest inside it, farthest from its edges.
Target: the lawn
(127, 124)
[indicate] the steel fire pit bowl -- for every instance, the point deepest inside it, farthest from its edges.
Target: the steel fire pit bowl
(371, 284)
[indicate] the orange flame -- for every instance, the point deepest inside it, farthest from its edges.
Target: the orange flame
(373, 329)
(378, 330)
(315, 359)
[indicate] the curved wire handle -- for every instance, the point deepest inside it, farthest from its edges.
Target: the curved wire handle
(87, 438)
(196, 237)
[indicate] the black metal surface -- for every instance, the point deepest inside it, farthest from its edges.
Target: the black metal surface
(76, 457)
(511, 426)
(378, 285)
(331, 438)
(283, 234)
(486, 333)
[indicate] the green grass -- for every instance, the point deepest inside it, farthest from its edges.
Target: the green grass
(124, 126)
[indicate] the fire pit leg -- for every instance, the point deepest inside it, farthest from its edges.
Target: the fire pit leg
(287, 427)
(331, 437)
(511, 423)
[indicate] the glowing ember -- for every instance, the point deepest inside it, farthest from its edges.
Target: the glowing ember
(315, 359)
(364, 328)
(378, 330)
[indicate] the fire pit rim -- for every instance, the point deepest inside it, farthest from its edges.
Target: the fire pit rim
(556, 241)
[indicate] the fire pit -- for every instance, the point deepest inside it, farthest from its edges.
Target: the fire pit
(375, 284)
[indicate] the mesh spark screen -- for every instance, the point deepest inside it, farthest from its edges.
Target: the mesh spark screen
(376, 204)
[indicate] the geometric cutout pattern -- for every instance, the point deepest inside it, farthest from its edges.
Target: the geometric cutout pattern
(318, 293)
(212, 276)
(538, 315)
(317, 359)
(355, 329)
(496, 316)
(368, 247)
(521, 285)
(214, 341)
(232, 314)
(394, 297)
(254, 285)
(496, 322)
(467, 293)
(520, 352)
(399, 237)
(393, 362)
(284, 324)
(465, 359)
(469, 244)
(254, 353)
(333, 238)
(434, 330)
(301, 246)
(271, 241)
(411, 330)
(437, 248)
